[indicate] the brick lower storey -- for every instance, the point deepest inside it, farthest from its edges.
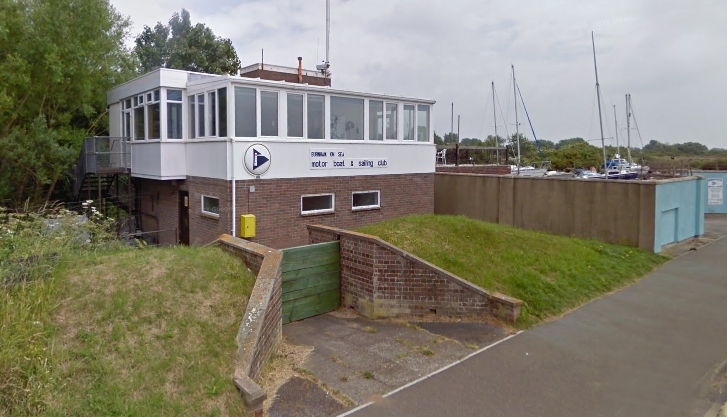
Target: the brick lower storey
(276, 204)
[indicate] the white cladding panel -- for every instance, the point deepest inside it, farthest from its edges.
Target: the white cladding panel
(207, 159)
(146, 159)
(295, 160)
(174, 159)
(115, 120)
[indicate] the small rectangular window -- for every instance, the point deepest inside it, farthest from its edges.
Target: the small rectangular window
(317, 204)
(376, 120)
(222, 97)
(139, 128)
(365, 200)
(174, 95)
(192, 114)
(295, 115)
(391, 120)
(347, 118)
(127, 103)
(422, 123)
(153, 118)
(268, 113)
(156, 95)
(141, 99)
(210, 205)
(245, 112)
(200, 114)
(148, 97)
(316, 116)
(213, 114)
(127, 125)
(409, 115)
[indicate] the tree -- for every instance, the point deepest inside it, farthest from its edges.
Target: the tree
(450, 138)
(57, 60)
(566, 142)
(180, 45)
(438, 139)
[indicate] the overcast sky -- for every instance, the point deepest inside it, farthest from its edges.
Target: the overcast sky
(671, 56)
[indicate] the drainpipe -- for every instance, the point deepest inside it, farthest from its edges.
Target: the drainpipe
(232, 172)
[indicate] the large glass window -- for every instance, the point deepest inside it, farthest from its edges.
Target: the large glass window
(174, 114)
(222, 97)
(347, 118)
(213, 113)
(376, 120)
(268, 113)
(295, 115)
(153, 115)
(391, 120)
(409, 122)
(192, 118)
(245, 112)
(316, 116)
(126, 124)
(139, 128)
(422, 123)
(201, 114)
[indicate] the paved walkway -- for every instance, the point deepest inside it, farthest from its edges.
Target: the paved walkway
(657, 348)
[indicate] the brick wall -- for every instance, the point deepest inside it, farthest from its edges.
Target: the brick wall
(476, 169)
(381, 280)
(261, 329)
(159, 210)
(276, 203)
(203, 228)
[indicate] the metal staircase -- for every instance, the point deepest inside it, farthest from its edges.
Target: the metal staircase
(103, 174)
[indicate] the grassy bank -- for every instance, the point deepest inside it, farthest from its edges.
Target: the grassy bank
(551, 274)
(107, 330)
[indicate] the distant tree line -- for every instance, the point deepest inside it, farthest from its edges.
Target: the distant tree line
(579, 153)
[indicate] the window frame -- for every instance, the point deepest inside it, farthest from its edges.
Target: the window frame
(396, 121)
(260, 92)
(370, 207)
(209, 213)
(413, 129)
(316, 212)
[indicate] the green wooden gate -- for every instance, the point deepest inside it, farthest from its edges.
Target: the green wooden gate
(311, 280)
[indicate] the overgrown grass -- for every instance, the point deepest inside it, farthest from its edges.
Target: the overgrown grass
(551, 274)
(118, 331)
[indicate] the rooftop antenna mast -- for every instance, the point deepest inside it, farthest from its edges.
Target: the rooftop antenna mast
(325, 66)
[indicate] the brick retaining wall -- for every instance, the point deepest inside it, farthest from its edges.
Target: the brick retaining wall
(381, 280)
(261, 328)
(475, 169)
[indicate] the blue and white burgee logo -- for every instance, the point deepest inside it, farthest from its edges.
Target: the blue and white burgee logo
(257, 159)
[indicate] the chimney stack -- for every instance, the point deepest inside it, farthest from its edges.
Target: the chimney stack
(300, 70)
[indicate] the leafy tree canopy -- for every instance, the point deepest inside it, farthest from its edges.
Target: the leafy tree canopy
(57, 60)
(180, 45)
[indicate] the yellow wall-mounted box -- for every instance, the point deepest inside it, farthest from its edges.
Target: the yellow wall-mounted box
(247, 225)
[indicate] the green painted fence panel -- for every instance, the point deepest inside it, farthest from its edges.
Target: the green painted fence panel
(311, 280)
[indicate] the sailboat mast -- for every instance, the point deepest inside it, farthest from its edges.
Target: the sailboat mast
(618, 145)
(628, 126)
(517, 125)
(598, 95)
(494, 117)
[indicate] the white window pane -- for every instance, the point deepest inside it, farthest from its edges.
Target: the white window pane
(268, 113)
(201, 114)
(422, 123)
(213, 114)
(222, 113)
(192, 119)
(366, 199)
(409, 122)
(139, 130)
(316, 113)
(376, 120)
(347, 118)
(295, 115)
(316, 203)
(174, 120)
(391, 120)
(245, 112)
(174, 95)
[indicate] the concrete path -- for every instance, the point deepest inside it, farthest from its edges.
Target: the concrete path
(657, 348)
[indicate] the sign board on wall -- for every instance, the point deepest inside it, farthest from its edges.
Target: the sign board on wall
(335, 158)
(257, 159)
(715, 192)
